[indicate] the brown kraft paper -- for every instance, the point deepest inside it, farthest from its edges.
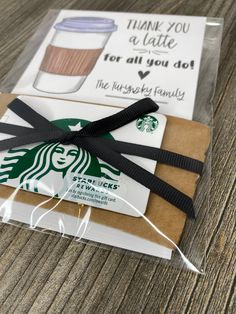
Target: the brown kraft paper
(182, 136)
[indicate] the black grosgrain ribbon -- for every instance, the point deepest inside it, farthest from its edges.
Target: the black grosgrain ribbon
(109, 150)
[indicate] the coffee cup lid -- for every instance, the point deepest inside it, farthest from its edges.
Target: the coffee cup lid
(86, 24)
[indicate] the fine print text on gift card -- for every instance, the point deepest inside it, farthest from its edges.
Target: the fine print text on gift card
(117, 58)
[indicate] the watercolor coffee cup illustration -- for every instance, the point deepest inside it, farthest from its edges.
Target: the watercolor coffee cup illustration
(73, 53)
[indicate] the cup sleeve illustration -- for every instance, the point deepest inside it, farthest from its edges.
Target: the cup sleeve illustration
(72, 53)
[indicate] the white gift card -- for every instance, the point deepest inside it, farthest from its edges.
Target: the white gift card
(71, 173)
(115, 58)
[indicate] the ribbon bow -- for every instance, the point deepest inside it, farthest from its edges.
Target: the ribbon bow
(109, 150)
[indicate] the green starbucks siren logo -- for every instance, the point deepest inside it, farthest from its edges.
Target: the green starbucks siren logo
(28, 166)
(147, 123)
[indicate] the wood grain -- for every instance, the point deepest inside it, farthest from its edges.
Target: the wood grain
(42, 273)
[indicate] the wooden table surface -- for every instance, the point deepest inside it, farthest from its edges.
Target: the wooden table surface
(41, 273)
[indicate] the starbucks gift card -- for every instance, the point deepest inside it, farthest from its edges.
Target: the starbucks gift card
(73, 174)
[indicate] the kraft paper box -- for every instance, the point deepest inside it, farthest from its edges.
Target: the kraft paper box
(181, 136)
